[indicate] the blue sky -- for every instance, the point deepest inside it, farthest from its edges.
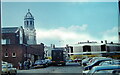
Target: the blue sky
(63, 23)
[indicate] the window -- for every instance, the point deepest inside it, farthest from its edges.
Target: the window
(103, 48)
(30, 22)
(13, 54)
(5, 41)
(29, 55)
(21, 37)
(6, 54)
(33, 22)
(27, 23)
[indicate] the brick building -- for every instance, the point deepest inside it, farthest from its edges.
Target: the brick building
(15, 49)
(13, 35)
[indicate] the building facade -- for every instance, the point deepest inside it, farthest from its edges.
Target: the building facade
(99, 49)
(19, 44)
(13, 35)
(14, 54)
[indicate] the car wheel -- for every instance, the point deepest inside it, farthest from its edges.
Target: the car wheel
(8, 73)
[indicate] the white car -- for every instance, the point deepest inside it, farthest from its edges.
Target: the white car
(11, 69)
(113, 62)
(4, 69)
(85, 71)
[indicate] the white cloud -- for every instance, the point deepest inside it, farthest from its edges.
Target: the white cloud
(76, 27)
(111, 35)
(63, 36)
(70, 35)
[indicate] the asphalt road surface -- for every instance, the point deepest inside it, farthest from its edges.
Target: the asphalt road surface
(69, 68)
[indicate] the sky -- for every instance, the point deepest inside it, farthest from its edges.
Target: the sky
(62, 23)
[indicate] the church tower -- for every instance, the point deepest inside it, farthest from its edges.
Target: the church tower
(29, 29)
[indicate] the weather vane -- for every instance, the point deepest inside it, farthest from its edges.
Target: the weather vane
(28, 10)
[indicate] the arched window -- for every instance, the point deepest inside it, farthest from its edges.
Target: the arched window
(33, 22)
(6, 54)
(30, 22)
(27, 23)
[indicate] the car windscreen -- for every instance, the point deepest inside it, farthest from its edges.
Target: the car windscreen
(38, 62)
(4, 66)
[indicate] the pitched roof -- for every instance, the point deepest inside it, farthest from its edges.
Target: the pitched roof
(10, 29)
(29, 15)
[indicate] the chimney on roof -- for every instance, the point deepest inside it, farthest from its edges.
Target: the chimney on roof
(52, 46)
(105, 41)
(111, 42)
(101, 41)
(88, 41)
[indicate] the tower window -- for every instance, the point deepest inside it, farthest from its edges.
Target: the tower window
(30, 22)
(33, 22)
(27, 22)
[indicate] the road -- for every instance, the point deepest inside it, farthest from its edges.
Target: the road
(69, 68)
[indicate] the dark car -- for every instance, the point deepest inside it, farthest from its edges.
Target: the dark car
(97, 62)
(48, 62)
(85, 61)
(40, 63)
(77, 60)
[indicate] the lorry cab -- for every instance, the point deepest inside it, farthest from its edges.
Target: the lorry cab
(58, 57)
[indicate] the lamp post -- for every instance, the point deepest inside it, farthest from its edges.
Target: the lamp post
(26, 52)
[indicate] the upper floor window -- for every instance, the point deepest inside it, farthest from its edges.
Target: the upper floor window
(6, 54)
(13, 54)
(5, 41)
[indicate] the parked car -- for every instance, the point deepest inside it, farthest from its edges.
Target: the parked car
(70, 60)
(40, 63)
(96, 63)
(116, 62)
(104, 69)
(116, 72)
(85, 61)
(77, 60)
(4, 69)
(113, 62)
(105, 63)
(93, 59)
(48, 62)
(11, 69)
(3, 62)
